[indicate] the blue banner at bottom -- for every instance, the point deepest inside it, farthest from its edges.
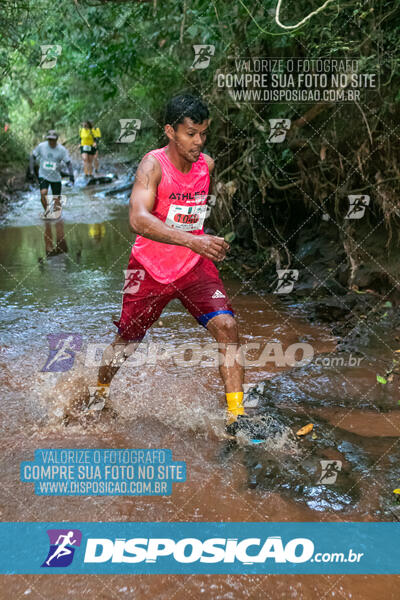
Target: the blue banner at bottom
(192, 548)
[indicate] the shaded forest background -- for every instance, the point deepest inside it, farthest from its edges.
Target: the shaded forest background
(124, 59)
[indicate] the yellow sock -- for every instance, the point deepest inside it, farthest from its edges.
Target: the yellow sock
(102, 386)
(234, 401)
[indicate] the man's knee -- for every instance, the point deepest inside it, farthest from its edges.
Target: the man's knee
(224, 328)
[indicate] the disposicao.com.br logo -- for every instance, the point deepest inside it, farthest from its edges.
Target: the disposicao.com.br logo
(200, 547)
(247, 551)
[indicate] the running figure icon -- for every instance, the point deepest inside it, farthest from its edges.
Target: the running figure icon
(62, 549)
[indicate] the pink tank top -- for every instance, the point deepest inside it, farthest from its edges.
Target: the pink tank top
(181, 202)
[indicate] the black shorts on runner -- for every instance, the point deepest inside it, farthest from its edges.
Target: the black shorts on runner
(93, 150)
(55, 186)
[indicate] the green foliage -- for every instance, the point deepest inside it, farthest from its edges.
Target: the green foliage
(125, 59)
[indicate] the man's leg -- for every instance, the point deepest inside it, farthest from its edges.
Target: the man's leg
(134, 321)
(90, 164)
(43, 195)
(142, 305)
(85, 163)
(224, 329)
(56, 202)
(202, 292)
(113, 358)
(56, 191)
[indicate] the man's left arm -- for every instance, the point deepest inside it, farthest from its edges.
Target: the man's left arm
(70, 171)
(68, 162)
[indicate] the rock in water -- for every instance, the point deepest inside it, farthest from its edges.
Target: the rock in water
(100, 179)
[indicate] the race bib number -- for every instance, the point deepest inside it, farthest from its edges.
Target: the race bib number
(187, 218)
(86, 148)
(50, 165)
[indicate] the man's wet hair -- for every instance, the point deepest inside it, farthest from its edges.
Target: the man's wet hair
(185, 105)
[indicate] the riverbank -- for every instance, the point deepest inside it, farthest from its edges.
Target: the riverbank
(12, 180)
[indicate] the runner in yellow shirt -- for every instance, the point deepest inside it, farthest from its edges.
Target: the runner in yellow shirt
(87, 146)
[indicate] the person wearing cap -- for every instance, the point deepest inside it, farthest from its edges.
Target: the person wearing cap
(50, 155)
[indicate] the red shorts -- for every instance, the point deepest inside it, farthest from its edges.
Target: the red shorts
(201, 291)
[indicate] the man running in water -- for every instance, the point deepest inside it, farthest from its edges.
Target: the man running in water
(172, 256)
(50, 155)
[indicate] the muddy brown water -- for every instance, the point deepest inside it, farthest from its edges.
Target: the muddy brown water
(67, 277)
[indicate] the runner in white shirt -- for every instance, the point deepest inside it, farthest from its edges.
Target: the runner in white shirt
(50, 155)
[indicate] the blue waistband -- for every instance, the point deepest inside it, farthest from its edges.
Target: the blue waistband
(203, 319)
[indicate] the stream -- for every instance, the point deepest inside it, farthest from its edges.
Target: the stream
(66, 277)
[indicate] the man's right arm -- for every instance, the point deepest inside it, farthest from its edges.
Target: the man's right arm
(148, 177)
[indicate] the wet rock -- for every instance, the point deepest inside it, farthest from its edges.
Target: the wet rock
(297, 469)
(350, 384)
(330, 310)
(123, 187)
(100, 179)
(124, 184)
(298, 475)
